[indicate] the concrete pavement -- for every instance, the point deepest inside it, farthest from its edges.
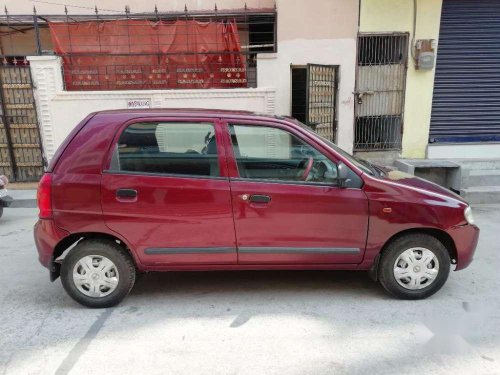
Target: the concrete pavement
(248, 322)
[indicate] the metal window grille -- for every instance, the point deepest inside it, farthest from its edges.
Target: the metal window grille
(380, 88)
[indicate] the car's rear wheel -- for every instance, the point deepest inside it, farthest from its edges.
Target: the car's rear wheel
(98, 273)
(414, 266)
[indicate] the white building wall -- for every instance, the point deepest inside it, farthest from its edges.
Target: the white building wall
(321, 32)
(60, 111)
(275, 70)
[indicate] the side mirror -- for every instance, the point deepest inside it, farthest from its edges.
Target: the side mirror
(342, 174)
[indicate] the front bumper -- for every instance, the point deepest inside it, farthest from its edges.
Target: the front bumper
(465, 238)
(47, 236)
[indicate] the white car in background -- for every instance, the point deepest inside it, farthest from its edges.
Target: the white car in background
(5, 198)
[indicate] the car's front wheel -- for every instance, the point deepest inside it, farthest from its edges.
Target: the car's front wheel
(98, 273)
(414, 266)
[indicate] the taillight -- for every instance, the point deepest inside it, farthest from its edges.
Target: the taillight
(44, 197)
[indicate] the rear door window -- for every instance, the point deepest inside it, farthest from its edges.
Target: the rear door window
(171, 148)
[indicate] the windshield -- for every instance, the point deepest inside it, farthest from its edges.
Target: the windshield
(361, 164)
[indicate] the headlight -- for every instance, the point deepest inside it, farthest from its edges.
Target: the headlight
(468, 215)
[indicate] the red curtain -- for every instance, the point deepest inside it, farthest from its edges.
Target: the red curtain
(140, 54)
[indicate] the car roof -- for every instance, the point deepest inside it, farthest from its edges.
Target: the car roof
(186, 112)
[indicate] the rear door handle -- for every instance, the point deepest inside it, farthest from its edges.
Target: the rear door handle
(126, 194)
(258, 198)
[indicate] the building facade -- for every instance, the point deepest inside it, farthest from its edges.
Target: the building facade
(282, 65)
(451, 109)
(362, 72)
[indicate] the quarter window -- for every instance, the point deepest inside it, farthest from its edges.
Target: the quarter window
(168, 148)
(270, 153)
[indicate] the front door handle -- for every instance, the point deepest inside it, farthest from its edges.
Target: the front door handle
(258, 198)
(126, 194)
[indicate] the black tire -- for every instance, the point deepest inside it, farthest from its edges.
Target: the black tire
(1, 211)
(396, 248)
(116, 254)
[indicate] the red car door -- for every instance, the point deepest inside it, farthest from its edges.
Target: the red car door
(287, 207)
(167, 193)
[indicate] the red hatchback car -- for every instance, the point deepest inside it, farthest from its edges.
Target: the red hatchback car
(170, 190)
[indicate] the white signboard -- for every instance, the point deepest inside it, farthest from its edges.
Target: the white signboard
(138, 103)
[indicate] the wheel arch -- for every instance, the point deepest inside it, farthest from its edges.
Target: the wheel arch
(67, 243)
(439, 234)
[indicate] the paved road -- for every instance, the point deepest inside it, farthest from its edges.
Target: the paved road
(248, 322)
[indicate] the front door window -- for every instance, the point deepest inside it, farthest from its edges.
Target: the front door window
(267, 153)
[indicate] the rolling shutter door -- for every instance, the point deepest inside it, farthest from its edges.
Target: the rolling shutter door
(466, 102)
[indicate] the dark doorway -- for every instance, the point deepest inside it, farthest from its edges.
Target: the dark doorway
(299, 93)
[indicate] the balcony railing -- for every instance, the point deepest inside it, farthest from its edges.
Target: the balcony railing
(175, 50)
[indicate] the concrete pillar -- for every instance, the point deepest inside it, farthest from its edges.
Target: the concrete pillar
(47, 81)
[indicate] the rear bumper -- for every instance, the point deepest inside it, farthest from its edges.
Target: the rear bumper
(47, 236)
(465, 238)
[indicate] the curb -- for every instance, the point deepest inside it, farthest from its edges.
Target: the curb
(23, 203)
(23, 198)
